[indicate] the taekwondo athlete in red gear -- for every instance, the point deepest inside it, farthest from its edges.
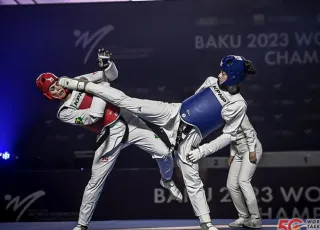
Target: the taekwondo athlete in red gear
(124, 129)
(181, 124)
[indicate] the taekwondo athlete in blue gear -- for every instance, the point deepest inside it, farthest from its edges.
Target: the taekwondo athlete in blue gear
(183, 133)
(203, 110)
(245, 148)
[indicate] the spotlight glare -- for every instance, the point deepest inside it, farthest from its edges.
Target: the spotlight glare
(5, 155)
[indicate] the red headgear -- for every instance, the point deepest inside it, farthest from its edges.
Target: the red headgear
(44, 81)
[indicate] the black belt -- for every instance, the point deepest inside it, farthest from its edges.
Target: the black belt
(106, 134)
(163, 136)
(183, 129)
(159, 132)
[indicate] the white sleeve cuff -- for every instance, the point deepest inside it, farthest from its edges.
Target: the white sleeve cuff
(252, 148)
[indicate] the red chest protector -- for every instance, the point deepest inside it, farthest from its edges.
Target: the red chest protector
(111, 114)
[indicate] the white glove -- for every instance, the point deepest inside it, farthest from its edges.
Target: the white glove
(195, 155)
(104, 57)
(109, 68)
(111, 73)
(72, 84)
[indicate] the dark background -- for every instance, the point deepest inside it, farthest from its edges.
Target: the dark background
(163, 51)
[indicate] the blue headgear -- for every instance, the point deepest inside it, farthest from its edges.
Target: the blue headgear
(234, 67)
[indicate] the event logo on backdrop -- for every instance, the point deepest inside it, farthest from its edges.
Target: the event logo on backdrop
(20, 205)
(275, 44)
(92, 41)
(266, 196)
(273, 41)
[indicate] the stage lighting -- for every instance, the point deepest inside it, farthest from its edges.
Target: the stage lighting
(5, 155)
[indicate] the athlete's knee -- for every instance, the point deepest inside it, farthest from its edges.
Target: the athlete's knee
(243, 182)
(92, 184)
(90, 193)
(166, 154)
(163, 158)
(95, 180)
(193, 184)
(232, 185)
(161, 152)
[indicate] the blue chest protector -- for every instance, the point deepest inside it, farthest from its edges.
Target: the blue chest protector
(203, 110)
